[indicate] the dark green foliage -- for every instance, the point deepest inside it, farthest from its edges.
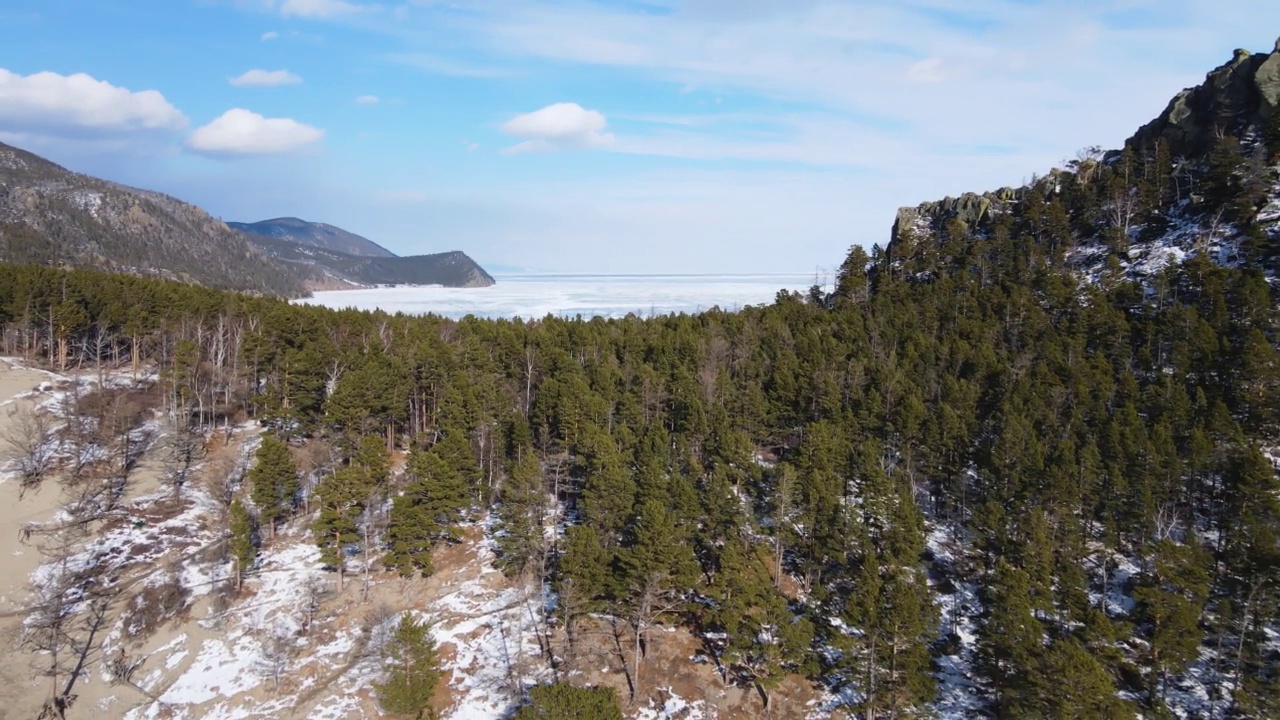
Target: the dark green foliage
(273, 481)
(342, 497)
(1271, 133)
(412, 671)
(1170, 601)
(522, 516)
(1011, 644)
(765, 639)
(568, 702)
(243, 540)
(430, 506)
(609, 491)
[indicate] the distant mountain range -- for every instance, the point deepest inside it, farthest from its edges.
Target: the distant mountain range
(342, 270)
(320, 235)
(52, 216)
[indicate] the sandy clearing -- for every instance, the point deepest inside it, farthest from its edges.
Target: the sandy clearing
(20, 693)
(17, 561)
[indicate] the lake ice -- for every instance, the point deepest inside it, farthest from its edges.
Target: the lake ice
(536, 296)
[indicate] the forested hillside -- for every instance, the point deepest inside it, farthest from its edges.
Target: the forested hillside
(320, 235)
(52, 216)
(1017, 464)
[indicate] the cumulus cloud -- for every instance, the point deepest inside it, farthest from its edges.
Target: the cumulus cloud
(242, 133)
(74, 106)
(317, 8)
(367, 100)
(562, 126)
(265, 78)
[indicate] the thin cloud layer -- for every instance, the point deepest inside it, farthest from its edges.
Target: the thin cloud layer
(75, 106)
(367, 100)
(265, 78)
(562, 126)
(317, 8)
(242, 133)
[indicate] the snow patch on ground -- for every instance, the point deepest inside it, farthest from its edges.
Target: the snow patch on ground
(493, 631)
(958, 695)
(674, 708)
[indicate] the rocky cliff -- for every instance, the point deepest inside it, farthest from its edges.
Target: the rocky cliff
(1238, 98)
(1200, 177)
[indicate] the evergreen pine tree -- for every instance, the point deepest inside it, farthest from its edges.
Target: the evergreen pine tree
(582, 579)
(1010, 643)
(522, 515)
(242, 542)
(273, 481)
(412, 671)
(426, 512)
(608, 494)
(1078, 685)
(342, 497)
(562, 701)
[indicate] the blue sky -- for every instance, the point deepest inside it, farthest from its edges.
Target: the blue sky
(593, 136)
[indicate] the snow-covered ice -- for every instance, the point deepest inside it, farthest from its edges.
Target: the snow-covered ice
(536, 296)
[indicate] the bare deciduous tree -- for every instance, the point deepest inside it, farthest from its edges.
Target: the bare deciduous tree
(278, 650)
(654, 597)
(29, 445)
(184, 447)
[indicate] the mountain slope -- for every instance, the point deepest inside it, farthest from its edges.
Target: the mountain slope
(450, 269)
(1169, 247)
(320, 235)
(51, 215)
(1201, 178)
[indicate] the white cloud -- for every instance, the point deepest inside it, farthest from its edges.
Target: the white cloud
(367, 100)
(270, 35)
(265, 78)
(927, 71)
(848, 58)
(562, 126)
(50, 104)
(241, 133)
(318, 8)
(1016, 87)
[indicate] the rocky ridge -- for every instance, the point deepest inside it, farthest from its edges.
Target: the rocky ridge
(1239, 99)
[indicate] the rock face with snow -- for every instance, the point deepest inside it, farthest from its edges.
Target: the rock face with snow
(1237, 97)
(970, 209)
(1238, 101)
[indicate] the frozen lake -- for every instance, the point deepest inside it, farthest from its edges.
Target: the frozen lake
(536, 296)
